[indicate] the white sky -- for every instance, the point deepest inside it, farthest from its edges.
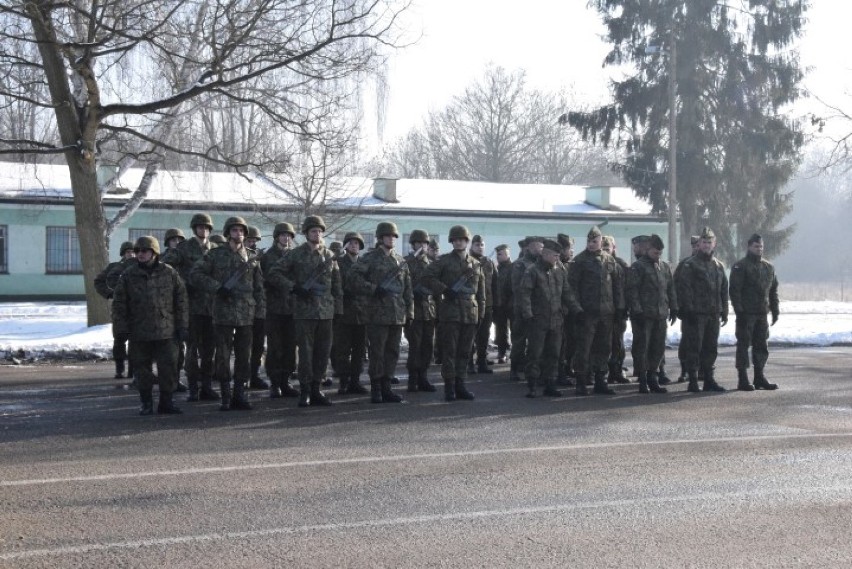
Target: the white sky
(559, 44)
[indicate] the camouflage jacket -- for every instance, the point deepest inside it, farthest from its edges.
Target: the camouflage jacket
(503, 285)
(107, 279)
(315, 270)
(702, 286)
(595, 283)
(183, 258)
(545, 295)
(488, 273)
(375, 269)
(754, 286)
(519, 267)
(463, 274)
(246, 299)
(650, 289)
(277, 301)
(150, 304)
(424, 301)
(353, 303)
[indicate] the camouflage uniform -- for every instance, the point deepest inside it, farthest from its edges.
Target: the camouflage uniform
(312, 276)
(258, 337)
(502, 308)
(483, 330)
(619, 328)
(519, 334)
(702, 291)
(420, 332)
(568, 346)
(382, 279)
(233, 311)
(105, 284)
(754, 293)
(350, 332)
(458, 277)
(150, 306)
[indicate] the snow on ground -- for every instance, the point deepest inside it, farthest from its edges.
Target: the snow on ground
(58, 329)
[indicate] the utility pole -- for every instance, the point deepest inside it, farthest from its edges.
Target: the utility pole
(672, 201)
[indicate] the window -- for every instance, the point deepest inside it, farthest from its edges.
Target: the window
(160, 234)
(4, 255)
(63, 251)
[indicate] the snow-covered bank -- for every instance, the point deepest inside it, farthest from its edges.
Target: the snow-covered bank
(58, 329)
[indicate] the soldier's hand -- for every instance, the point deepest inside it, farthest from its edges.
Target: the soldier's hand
(672, 316)
(301, 291)
(774, 318)
(723, 318)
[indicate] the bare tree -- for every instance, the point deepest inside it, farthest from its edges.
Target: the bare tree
(118, 80)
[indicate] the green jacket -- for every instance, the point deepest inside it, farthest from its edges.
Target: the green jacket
(424, 301)
(488, 273)
(390, 272)
(353, 303)
(316, 270)
(246, 298)
(519, 267)
(183, 258)
(277, 301)
(150, 303)
(702, 286)
(650, 289)
(545, 295)
(107, 279)
(595, 283)
(464, 274)
(754, 286)
(503, 285)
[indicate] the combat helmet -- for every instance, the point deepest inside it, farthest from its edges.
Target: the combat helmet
(232, 221)
(174, 232)
(218, 239)
(386, 228)
(201, 219)
(125, 247)
(147, 242)
(353, 235)
(418, 236)
(458, 232)
(253, 233)
(283, 228)
(312, 221)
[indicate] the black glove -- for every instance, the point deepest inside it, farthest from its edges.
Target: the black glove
(774, 318)
(181, 335)
(672, 316)
(301, 292)
(450, 294)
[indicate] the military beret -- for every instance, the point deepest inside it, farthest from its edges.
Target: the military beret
(640, 239)
(707, 233)
(501, 247)
(694, 239)
(534, 239)
(476, 239)
(755, 238)
(552, 245)
(656, 242)
(564, 240)
(594, 233)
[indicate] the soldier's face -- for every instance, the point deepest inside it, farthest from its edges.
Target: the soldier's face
(594, 244)
(129, 254)
(459, 244)
(568, 252)
(144, 255)
(352, 247)
(432, 253)
(706, 246)
(237, 234)
(251, 242)
(549, 257)
(503, 255)
(477, 247)
(173, 242)
(418, 246)
(535, 248)
(654, 254)
(388, 241)
(314, 235)
(202, 231)
(284, 239)
(756, 248)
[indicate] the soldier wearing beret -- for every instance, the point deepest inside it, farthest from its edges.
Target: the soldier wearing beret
(702, 291)
(619, 324)
(105, 284)
(420, 332)
(502, 300)
(531, 248)
(754, 293)
(350, 333)
(483, 331)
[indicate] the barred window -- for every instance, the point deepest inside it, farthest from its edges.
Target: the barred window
(4, 249)
(63, 251)
(160, 234)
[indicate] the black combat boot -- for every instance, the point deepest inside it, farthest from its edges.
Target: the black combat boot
(550, 388)
(257, 382)
(616, 374)
(147, 398)
(662, 378)
(482, 366)
(682, 377)
(514, 372)
(207, 392)
(501, 357)
(601, 388)
(743, 383)
(581, 388)
(166, 405)
(654, 383)
(355, 387)
(275, 388)
(304, 394)
(423, 383)
(119, 369)
(225, 394)
(239, 401)
(192, 395)
(388, 396)
(288, 390)
(462, 392)
(693, 382)
(760, 381)
(180, 387)
(643, 382)
(449, 390)
(375, 390)
(531, 389)
(412, 381)
(710, 382)
(318, 398)
(344, 385)
(471, 369)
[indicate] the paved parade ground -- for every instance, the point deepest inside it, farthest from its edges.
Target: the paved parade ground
(760, 479)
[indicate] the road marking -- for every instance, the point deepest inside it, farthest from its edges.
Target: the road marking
(406, 457)
(787, 494)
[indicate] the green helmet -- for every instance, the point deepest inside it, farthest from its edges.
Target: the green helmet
(125, 247)
(458, 232)
(254, 233)
(386, 228)
(147, 242)
(174, 232)
(201, 219)
(232, 221)
(353, 235)
(312, 221)
(418, 236)
(283, 228)
(218, 239)
(335, 247)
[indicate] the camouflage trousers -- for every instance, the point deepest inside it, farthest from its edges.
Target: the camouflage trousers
(457, 342)
(752, 331)
(542, 353)
(314, 338)
(280, 347)
(200, 348)
(236, 340)
(420, 335)
(519, 341)
(501, 330)
(383, 345)
(161, 352)
(593, 333)
(347, 349)
(649, 343)
(483, 333)
(699, 343)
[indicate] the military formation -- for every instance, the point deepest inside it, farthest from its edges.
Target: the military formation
(214, 304)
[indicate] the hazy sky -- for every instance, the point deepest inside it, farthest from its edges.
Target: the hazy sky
(559, 44)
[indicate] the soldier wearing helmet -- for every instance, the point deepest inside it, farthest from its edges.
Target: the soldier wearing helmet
(201, 343)
(232, 274)
(280, 331)
(310, 274)
(619, 324)
(381, 278)
(173, 237)
(105, 284)
(350, 331)
(457, 278)
(253, 237)
(150, 307)
(531, 247)
(502, 300)
(483, 331)
(420, 332)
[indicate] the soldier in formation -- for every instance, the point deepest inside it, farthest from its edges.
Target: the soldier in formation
(350, 333)
(619, 324)
(105, 284)
(420, 331)
(174, 237)
(483, 330)
(531, 247)
(259, 327)
(566, 350)
(502, 300)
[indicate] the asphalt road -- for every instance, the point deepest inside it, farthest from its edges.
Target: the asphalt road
(760, 479)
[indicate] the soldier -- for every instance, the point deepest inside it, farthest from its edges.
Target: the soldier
(311, 274)
(232, 274)
(619, 324)
(457, 276)
(652, 298)
(150, 306)
(350, 333)
(258, 337)
(420, 332)
(639, 246)
(174, 237)
(754, 292)
(502, 300)
(598, 300)
(432, 253)
(544, 298)
(693, 241)
(217, 239)
(280, 333)
(336, 247)
(566, 349)
(434, 249)
(530, 250)
(381, 277)
(201, 343)
(702, 291)
(105, 284)
(483, 331)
